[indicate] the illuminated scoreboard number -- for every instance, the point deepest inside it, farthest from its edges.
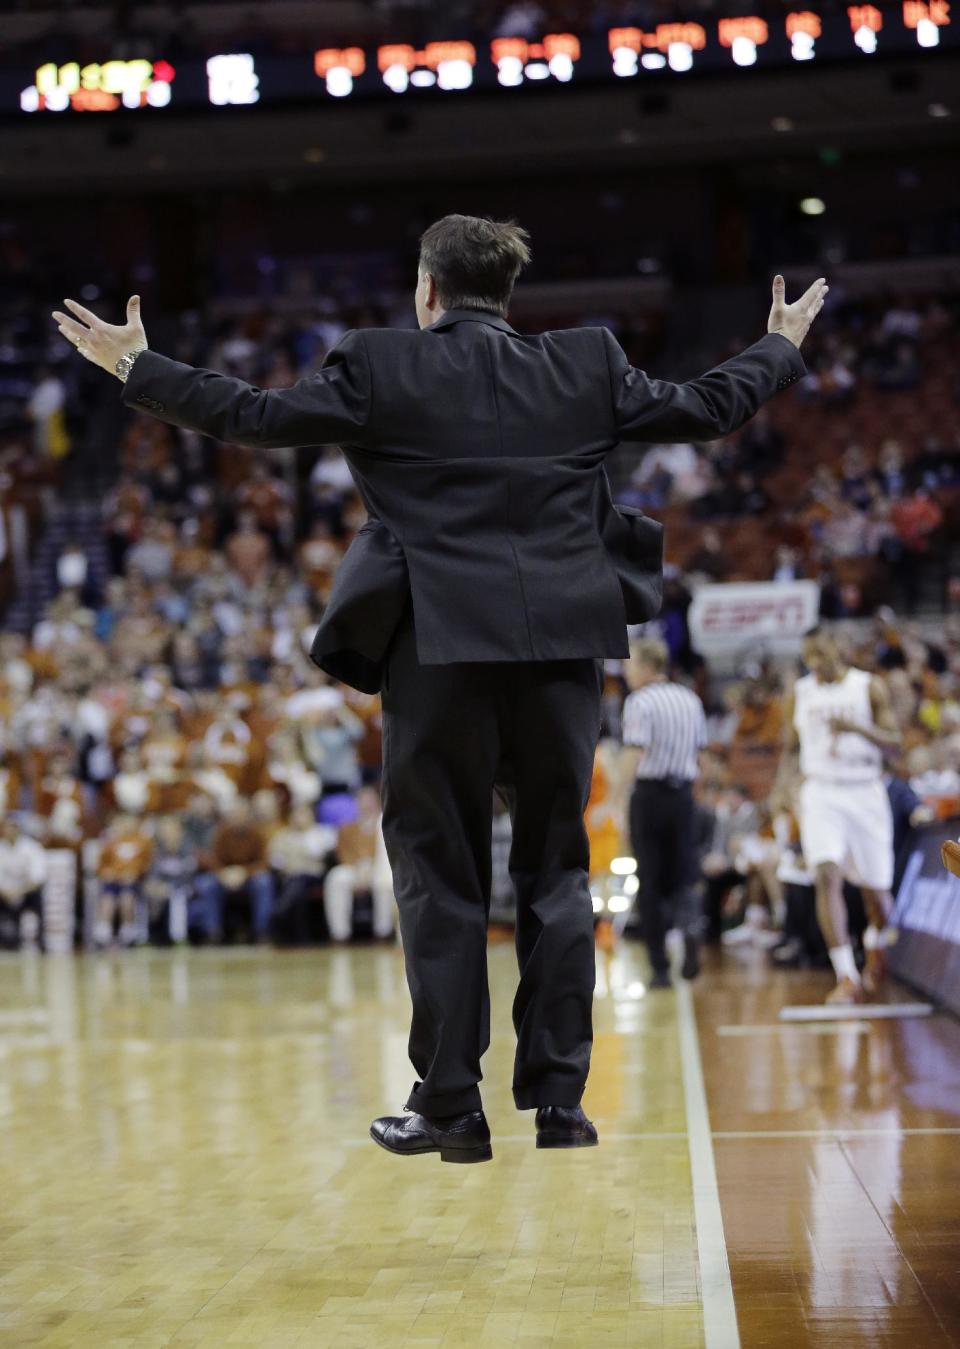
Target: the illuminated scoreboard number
(866, 22)
(446, 65)
(669, 44)
(803, 28)
(926, 20)
(338, 67)
(232, 80)
(98, 87)
(517, 59)
(743, 35)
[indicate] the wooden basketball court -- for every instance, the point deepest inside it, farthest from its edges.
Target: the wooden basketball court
(186, 1162)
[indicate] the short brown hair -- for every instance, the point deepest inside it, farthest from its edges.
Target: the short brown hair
(474, 262)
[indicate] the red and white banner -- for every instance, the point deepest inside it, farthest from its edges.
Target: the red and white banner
(730, 619)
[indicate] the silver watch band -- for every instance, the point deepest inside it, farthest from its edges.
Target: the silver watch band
(125, 364)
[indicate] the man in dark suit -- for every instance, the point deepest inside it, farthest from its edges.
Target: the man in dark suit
(480, 452)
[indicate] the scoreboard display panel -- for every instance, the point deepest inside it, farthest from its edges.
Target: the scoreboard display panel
(453, 65)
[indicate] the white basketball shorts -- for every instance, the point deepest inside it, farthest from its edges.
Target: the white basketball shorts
(851, 824)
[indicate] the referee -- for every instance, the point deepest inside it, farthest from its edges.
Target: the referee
(664, 730)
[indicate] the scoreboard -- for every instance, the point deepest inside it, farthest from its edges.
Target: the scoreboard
(620, 55)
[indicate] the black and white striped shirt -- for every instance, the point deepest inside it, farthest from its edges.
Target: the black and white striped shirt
(667, 721)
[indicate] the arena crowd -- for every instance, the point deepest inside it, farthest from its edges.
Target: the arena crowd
(161, 724)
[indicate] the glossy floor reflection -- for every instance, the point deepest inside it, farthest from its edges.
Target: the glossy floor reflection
(837, 1147)
(186, 1161)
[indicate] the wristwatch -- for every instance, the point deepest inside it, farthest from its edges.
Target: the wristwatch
(125, 364)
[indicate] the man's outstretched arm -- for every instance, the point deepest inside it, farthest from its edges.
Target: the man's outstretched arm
(327, 408)
(724, 398)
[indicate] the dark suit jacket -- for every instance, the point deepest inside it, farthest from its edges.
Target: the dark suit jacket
(481, 451)
(372, 589)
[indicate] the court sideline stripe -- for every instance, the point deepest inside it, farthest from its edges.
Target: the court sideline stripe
(720, 1329)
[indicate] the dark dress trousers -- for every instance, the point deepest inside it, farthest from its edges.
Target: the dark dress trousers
(479, 451)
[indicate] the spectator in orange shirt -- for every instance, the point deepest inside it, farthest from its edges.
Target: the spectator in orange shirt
(916, 519)
(125, 859)
(239, 868)
(761, 715)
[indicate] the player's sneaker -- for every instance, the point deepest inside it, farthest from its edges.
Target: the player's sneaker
(874, 971)
(950, 855)
(848, 993)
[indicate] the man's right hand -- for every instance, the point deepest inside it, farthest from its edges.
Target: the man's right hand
(793, 320)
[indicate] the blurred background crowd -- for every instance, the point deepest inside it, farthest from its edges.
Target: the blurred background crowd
(162, 727)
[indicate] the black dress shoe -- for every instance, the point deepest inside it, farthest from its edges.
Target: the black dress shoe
(560, 1126)
(660, 979)
(457, 1138)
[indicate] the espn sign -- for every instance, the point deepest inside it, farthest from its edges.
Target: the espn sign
(729, 619)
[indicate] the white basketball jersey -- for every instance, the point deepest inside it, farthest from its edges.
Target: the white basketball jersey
(846, 757)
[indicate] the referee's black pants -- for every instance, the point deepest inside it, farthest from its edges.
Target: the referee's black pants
(449, 734)
(663, 837)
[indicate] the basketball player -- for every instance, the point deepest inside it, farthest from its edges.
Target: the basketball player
(840, 722)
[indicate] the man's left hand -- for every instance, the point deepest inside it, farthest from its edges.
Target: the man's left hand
(100, 342)
(841, 726)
